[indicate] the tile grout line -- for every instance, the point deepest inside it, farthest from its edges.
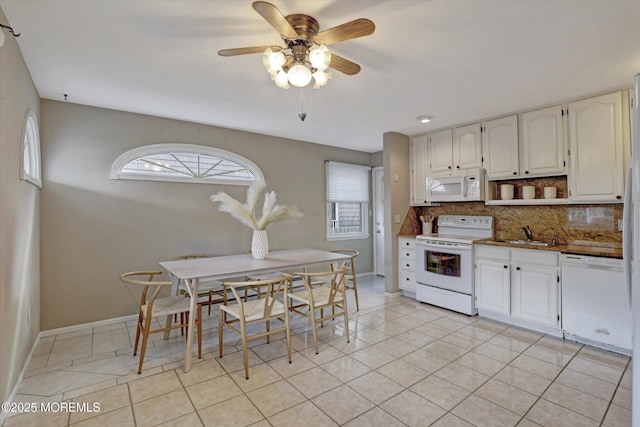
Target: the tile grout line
(626, 368)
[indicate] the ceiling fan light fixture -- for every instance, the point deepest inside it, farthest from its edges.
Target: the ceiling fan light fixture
(299, 75)
(321, 79)
(281, 79)
(273, 61)
(320, 57)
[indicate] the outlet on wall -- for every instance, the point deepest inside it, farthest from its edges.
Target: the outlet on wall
(620, 226)
(396, 219)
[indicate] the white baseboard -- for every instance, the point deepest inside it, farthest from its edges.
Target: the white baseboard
(81, 326)
(393, 294)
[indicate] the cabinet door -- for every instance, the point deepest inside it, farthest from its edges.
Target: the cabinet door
(596, 149)
(500, 147)
(467, 147)
(493, 286)
(541, 142)
(535, 294)
(440, 151)
(418, 183)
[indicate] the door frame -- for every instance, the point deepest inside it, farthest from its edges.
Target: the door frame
(374, 172)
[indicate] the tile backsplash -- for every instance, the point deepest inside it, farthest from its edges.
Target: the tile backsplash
(572, 223)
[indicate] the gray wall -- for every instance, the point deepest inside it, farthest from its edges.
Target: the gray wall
(95, 228)
(19, 221)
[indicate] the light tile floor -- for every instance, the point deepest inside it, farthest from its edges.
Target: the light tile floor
(408, 364)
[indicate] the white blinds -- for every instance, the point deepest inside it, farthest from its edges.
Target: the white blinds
(347, 183)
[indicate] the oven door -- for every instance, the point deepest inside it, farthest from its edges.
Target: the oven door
(445, 265)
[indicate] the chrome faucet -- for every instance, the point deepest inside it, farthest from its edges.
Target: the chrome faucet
(554, 241)
(527, 232)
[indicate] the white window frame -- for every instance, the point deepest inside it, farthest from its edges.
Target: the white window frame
(139, 152)
(30, 162)
(364, 202)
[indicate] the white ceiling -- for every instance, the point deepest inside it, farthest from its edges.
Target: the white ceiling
(458, 61)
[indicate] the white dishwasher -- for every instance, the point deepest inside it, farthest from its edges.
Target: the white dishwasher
(595, 306)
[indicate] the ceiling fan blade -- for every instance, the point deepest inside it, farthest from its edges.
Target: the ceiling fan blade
(343, 65)
(347, 31)
(274, 17)
(245, 50)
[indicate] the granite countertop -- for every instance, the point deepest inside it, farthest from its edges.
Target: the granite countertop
(592, 249)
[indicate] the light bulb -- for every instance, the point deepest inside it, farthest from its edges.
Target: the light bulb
(321, 79)
(320, 57)
(299, 75)
(273, 61)
(281, 79)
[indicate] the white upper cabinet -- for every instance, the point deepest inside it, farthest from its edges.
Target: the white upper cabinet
(419, 165)
(542, 142)
(596, 149)
(500, 147)
(467, 147)
(440, 151)
(455, 149)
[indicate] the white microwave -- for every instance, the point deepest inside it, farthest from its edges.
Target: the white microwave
(464, 186)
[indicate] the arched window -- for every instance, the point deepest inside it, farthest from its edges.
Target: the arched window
(30, 169)
(185, 163)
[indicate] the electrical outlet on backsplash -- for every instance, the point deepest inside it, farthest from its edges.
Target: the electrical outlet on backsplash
(591, 223)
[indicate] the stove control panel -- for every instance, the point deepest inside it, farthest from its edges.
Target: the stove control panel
(466, 221)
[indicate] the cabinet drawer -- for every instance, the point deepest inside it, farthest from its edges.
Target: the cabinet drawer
(406, 243)
(407, 280)
(406, 254)
(536, 257)
(493, 252)
(407, 264)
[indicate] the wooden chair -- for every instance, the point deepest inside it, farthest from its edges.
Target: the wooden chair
(322, 290)
(350, 279)
(150, 306)
(259, 310)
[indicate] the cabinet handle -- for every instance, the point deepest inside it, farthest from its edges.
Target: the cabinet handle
(449, 167)
(515, 173)
(618, 197)
(408, 265)
(458, 167)
(518, 268)
(506, 266)
(526, 172)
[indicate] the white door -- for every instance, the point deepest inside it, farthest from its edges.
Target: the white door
(440, 151)
(595, 141)
(493, 286)
(535, 295)
(542, 142)
(378, 217)
(500, 147)
(467, 147)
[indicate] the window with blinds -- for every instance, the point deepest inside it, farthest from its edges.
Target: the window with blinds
(347, 201)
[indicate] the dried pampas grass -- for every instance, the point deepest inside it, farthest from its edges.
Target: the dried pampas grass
(244, 212)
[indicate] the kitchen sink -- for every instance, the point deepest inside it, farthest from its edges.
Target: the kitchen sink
(526, 242)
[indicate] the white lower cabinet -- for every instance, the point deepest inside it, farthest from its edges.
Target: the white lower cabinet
(406, 264)
(519, 286)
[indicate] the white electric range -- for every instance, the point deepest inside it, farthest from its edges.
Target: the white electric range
(444, 262)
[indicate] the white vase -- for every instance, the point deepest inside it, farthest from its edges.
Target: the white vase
(259, 244)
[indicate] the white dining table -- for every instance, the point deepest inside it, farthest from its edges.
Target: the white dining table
(191, 271)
